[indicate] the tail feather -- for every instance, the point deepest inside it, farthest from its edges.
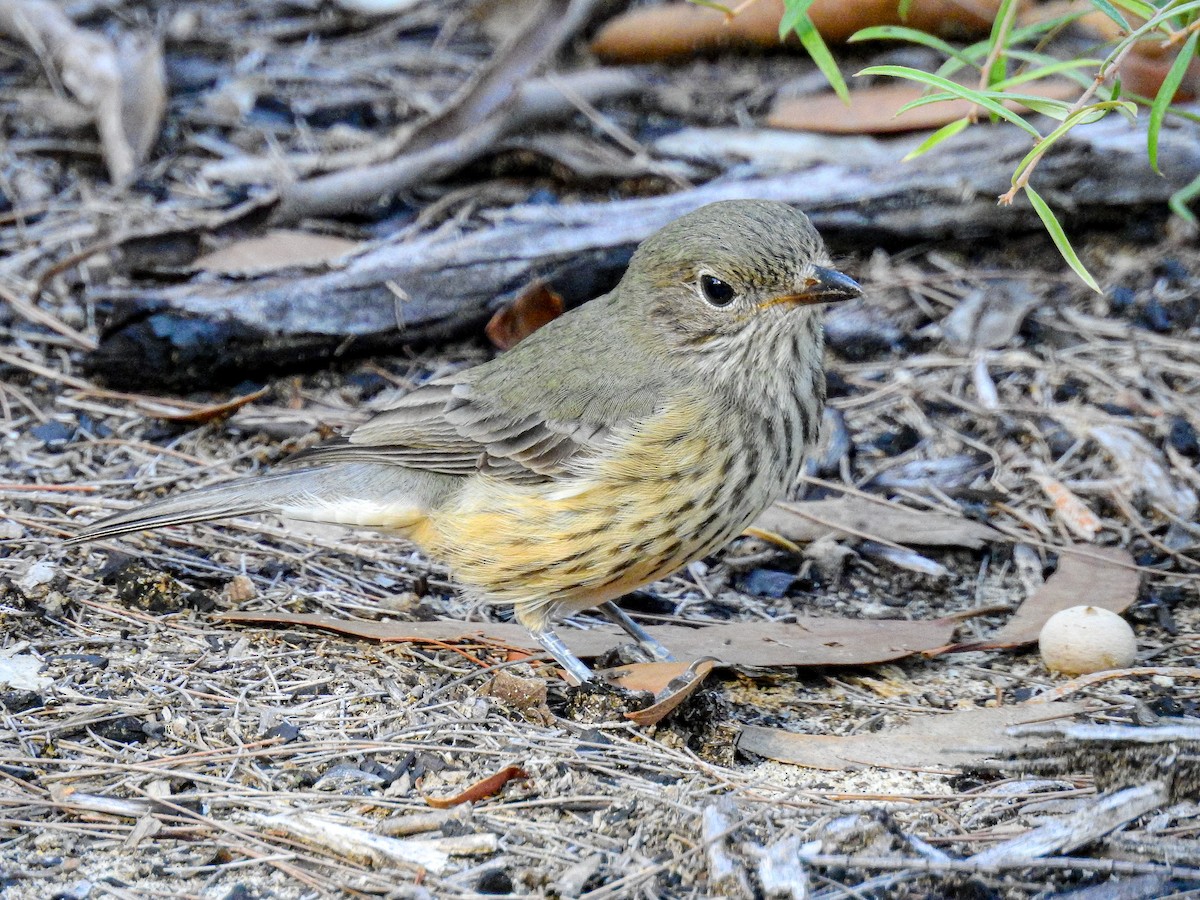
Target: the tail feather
(368, 495)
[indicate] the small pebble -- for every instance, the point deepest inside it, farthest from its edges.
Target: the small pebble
(1121, 299)
(239, 589)
(1155, 316)
(38, 574)
(1183, 438)
(768, 583)
(54, 435)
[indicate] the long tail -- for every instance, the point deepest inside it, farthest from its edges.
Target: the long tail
(374, 496)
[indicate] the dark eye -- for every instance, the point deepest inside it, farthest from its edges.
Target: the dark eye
(716, 291)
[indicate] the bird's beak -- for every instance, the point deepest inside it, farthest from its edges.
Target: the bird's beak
(824, 286)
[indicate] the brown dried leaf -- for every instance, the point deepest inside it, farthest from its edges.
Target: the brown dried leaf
(873, 110)
(1096, 576)
(277, 249)
(533, 308)
(480, 790)
(670, 682)
(199, 415)
(810, 642)
(948, 741)
(651, 33)
(810, 521)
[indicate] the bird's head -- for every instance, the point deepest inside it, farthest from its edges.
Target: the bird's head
(735, 277)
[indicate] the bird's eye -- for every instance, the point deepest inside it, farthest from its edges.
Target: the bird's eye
(716, 291)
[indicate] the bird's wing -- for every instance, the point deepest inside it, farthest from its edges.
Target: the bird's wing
(450, 426)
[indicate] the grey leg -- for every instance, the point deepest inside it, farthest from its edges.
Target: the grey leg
(618, 617)
(564, 657)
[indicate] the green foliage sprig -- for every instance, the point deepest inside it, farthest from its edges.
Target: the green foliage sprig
(1012, 56)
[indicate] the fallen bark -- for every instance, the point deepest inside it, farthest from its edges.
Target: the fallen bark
(419, 288)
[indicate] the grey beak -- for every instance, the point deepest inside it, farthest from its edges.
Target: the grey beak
(830, 286)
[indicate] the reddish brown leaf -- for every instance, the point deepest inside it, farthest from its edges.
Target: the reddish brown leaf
(1096, 576)
(651, 33)
(480, 790)
(873, 110)
(536, 306)
(670, 682)
(948, 741)
(199, 415)
(813, 641)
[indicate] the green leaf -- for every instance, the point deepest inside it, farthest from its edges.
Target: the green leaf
(942, 134)
(815, 45)
(794, 12)
(1111, 11)
(958, 90)
(1055, 230)
(903, 8)
(1028, 32)
(1181, 198)
(795, 18)
(1054, 109)
(1087, 115)
(1058, 67)
(1166, 93)
(900, 33)
(1000, 38)
(1137, 7)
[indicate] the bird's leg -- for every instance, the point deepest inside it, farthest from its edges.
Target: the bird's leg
(564, 657)
(618, 617)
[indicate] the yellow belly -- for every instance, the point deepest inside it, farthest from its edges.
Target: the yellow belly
(632, 517)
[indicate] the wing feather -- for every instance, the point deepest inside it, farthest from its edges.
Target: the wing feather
(447, 427)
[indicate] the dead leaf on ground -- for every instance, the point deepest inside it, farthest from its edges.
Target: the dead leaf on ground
(670, 682)
(948, 741)
(212, 412)
(652, 33)
(1096, 576)
(480, 790)
(813, 641)
(874, 110)
(277, 249)
(857, 516)
(533, 308)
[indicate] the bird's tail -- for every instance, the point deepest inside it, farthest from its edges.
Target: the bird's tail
(373, 496)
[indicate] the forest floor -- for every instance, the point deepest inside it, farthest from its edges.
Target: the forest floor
(151, 748)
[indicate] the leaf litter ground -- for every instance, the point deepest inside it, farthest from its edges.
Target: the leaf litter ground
(155, 749)
(207, 730)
